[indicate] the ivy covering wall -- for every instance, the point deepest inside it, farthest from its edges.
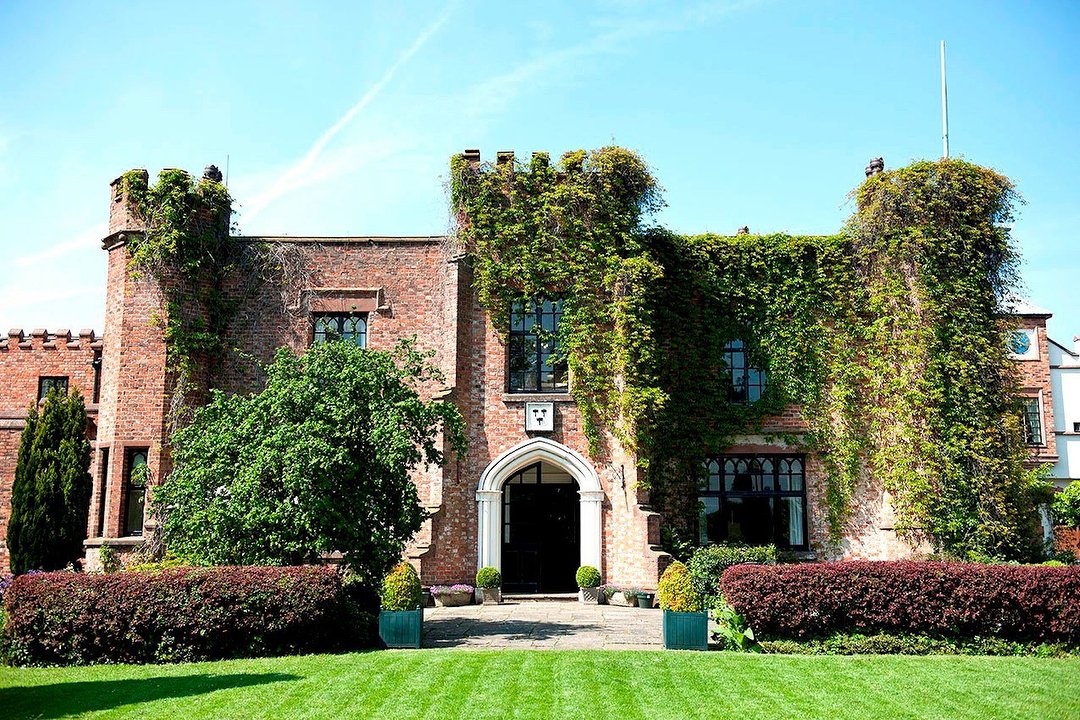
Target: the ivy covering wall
(888, 335)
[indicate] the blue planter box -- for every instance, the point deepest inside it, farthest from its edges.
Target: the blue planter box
(401, 628)
(686, 630)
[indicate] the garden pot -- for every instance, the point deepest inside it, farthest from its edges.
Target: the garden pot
(590, 596)
(645, 600)
(425, 600)
(453, 599)
(491, 596)
(619, 598)
(686, 630)
(401, 628)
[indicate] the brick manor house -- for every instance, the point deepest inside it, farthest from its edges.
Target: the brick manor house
(528, 498)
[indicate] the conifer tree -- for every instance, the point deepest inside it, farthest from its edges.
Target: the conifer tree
(50, 498)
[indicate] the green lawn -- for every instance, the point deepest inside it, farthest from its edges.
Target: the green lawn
(442, 684)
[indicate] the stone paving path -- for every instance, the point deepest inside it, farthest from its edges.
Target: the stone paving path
(542, 624)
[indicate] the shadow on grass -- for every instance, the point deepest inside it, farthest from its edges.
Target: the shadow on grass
(72, 698)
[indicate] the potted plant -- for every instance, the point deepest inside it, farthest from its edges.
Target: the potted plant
(686, 624)
(588, 582)
(401, 618)
(645, 599)
(489, 580)
(453, 595)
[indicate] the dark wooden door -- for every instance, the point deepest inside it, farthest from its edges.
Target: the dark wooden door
(541, 537)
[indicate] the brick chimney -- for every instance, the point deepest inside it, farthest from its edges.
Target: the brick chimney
(876, 165)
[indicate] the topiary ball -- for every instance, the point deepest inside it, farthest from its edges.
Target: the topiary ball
(488, 578)
(587, 577)
(400, 588)
(676, 591)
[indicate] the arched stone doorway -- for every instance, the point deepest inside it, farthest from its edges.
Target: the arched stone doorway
(541, 471)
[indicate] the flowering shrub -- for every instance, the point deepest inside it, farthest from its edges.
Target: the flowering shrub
(451, 589)
(182, 614)
(1014, 602)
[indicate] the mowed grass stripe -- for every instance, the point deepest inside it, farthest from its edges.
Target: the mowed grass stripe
(631, 685)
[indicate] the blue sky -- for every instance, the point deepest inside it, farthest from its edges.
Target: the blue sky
(339, 118)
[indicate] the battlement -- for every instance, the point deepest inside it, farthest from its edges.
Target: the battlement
(42, 339)
(503, 157)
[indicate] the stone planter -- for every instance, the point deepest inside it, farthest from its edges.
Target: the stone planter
(491, 596)
(619, 599)
(401, 628)
(454, 599)
(590, 596)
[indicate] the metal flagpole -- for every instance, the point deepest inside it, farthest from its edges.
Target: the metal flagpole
(944, 107)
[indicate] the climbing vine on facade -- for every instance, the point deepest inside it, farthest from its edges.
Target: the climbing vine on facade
(185, 249)
(888, 335)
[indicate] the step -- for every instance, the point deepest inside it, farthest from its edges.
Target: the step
(540, 597)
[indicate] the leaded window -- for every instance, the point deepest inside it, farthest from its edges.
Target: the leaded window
(535, 363)
(54, 382)
(753, 499)
(1033, 433)
(341, 326)
(138, 473)
(747, 382)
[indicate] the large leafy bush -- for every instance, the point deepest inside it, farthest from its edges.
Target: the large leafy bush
(182, 614)
(708, 564)
(1013, 602)
(319, 461)
(1066, 506)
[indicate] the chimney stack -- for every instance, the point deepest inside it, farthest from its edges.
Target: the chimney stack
(744, 230)
(212, 173)
(472, 157)
(876, 165)
(504, 156)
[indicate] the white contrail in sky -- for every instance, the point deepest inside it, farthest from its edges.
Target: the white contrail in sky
(296, 174)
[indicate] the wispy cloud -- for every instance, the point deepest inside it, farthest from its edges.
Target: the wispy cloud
(86, 240)
(310, 168)
(492, 96)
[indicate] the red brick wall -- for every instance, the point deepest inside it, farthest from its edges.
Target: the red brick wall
(23, 359)
(1035, 381)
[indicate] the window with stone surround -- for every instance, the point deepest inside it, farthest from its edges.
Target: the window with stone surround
(534, 361)
(350, 327)
(136, 475)
(753, 499)
(51, 382)
(1033, 431)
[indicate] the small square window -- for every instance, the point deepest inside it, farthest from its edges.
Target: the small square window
(1076, 427)
(52, 382)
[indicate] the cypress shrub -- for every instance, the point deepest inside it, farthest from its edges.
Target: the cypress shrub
(50, 497)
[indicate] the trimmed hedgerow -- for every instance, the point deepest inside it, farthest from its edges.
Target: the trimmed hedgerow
(182, 614)
(966, 600)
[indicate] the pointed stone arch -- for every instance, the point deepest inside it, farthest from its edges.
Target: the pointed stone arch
(489, 496)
